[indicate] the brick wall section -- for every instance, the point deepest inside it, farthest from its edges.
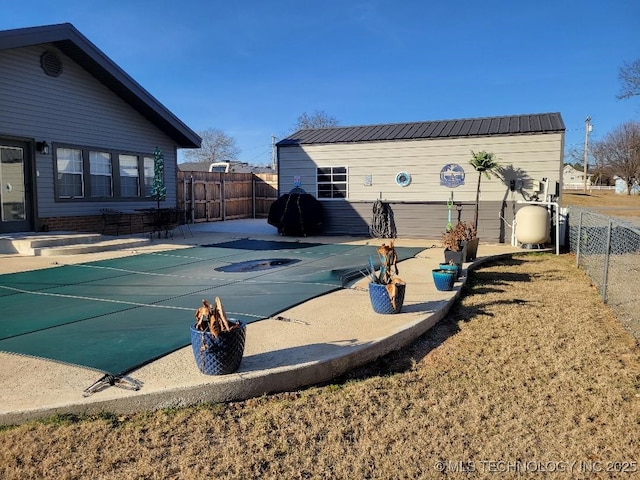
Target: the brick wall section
(92, 224)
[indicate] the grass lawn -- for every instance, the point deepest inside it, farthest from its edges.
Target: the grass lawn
(529, 369)
(606, 202)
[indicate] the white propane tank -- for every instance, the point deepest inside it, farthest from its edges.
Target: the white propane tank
(532, 225)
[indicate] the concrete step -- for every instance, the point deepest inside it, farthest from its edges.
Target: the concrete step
(65, 243)
(101, 246)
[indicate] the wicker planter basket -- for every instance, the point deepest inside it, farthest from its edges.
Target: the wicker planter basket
(218, 356)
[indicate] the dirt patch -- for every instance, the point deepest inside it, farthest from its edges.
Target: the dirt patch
(529, 369)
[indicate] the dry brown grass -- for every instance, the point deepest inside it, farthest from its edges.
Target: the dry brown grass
(529, 366)
(604, 201)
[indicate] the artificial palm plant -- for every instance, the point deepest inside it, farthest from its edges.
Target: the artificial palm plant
(485, 164)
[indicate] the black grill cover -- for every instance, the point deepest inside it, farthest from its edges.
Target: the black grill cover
(296, 213)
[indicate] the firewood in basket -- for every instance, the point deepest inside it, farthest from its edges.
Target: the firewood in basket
(202, 315)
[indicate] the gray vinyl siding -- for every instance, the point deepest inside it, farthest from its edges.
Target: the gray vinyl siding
(420, 208)
(418, 220)
(73, 109)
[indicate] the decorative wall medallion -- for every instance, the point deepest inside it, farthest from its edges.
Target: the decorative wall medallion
(403, 179)
(367, 181)
(452, 175)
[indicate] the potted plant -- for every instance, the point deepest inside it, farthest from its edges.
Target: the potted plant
(217, 342)
(455, 267)
(486, 165)
(460, 243)
(386, 291)
(443, 278)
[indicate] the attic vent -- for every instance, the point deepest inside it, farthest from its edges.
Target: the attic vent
(51, 63)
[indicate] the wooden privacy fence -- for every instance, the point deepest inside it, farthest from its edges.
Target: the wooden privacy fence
(213, 196)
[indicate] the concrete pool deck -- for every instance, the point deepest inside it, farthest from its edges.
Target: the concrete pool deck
(308, 344)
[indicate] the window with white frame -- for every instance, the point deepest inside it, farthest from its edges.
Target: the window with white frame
(129, 176)
(101, 174)
(332, 182)
(70, 177)
(148, 175)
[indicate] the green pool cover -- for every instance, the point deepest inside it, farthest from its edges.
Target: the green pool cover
(116, 315)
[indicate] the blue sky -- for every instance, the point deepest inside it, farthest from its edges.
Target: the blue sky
(250, 68)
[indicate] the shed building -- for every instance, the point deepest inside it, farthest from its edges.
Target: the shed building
(418, 168)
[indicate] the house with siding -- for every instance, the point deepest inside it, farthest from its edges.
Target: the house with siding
(77, 134)
(574, 179)
(421, 168)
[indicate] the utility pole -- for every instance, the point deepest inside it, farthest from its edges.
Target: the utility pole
(587, 129)
(273, 152)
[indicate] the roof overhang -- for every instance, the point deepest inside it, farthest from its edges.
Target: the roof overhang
(466, 127)
(76, 46)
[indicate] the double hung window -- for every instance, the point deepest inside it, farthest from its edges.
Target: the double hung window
(101, 174)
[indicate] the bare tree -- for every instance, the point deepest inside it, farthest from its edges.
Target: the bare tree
(217, 146)
(318, 119)
(629, 75)
(619, 153)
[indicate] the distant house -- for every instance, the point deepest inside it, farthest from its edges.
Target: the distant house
(573, 179)
(416, 168)
(224, 167)
(77, 134)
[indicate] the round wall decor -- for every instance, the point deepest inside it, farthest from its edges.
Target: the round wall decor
(403, 179)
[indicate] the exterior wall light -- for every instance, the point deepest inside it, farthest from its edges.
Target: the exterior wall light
(43, 147)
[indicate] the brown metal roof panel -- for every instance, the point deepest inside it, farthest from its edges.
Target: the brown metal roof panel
(403, 133)
(557, 121)
(470, 128)
(426, 129)
(370, 133)
(534, 122)
(452, 128)
(380, 133)
(545, 122)
(457, 128)
(503, 125)
(514, 124)
(359, 134)
(464, 129)
(483, 126)
(362, 134)
(444, 128)
(411, 131)
(392, 131)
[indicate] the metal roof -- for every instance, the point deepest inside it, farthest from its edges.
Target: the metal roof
(467, 127)
(72, 43)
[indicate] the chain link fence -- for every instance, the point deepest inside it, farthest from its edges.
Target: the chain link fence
(608, 249)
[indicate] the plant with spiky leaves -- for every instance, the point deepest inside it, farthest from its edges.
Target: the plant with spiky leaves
(485, 164)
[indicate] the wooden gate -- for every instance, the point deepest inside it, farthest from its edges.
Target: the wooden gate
(212, 196)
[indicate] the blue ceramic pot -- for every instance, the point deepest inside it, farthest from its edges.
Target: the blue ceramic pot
(380, 300)
(443, 279)
(452, 266)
